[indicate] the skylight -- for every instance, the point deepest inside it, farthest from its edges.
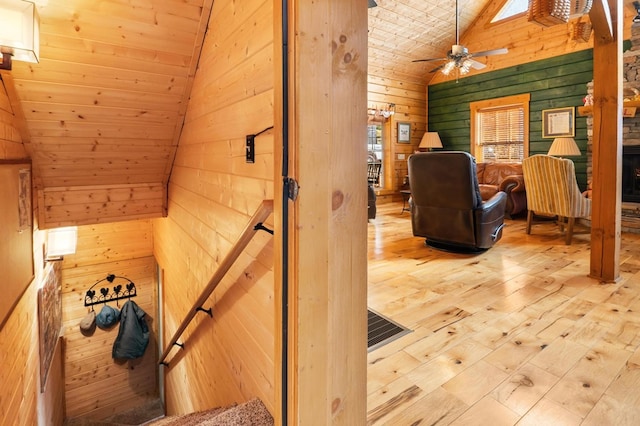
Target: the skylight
(511, 8)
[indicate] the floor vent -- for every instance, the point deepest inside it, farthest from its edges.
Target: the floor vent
(382, 330)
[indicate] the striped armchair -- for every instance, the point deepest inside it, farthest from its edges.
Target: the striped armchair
(552, 190)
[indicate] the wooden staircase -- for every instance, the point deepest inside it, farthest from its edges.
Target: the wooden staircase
(251, 413)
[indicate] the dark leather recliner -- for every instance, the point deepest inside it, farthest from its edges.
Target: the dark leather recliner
(446, 206)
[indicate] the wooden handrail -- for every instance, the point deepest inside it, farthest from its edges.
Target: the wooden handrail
(254, 225)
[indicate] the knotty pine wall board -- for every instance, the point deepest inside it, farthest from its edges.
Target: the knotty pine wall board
(96, 385)
(552, 83)
(20, 396)
(409, 96)
(67, 206)
(212, 194)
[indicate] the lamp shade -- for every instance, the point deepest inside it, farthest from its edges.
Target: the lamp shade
(61, 241)
(430, 140)
(20, 30)
(562, 147)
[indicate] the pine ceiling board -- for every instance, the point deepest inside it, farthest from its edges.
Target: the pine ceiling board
(60, 93)
(39, 111)
(182, 8)
(112, 130)
(101, 77)
(82, 145)
(73, 49)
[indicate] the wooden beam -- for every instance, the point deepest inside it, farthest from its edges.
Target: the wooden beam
(328, 248)
(607, 145)
(600, 16)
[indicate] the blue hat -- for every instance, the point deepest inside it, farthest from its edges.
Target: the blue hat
(107, 317)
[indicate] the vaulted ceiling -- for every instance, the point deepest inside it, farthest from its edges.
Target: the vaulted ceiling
(401, 31)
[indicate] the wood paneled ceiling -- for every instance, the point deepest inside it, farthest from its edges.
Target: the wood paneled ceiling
(106, 102)
(401, 31)
(105, 105)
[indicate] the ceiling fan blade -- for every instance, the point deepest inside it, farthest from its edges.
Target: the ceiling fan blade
(476, 65)
(429, 60)
(438, 68)
(491, 52)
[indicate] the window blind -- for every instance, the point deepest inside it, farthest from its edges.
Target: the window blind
(501, 133)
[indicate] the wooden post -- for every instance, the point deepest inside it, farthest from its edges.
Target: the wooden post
(607, 140)
(328, 243)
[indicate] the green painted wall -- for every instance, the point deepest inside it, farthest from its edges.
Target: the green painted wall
(552, 83)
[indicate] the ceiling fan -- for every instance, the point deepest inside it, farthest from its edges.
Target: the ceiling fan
(459, 56)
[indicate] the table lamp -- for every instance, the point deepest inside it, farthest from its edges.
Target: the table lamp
(429, 141)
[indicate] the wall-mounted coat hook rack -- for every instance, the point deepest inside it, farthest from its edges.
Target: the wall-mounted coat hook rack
(108, 294)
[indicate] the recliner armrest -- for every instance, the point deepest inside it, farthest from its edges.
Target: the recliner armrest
(489, 220)
(499, 199)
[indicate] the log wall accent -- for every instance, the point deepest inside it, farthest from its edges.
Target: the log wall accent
(21, 401)
(96, 385)
(69, 206)
(552, 83)
(212, 194)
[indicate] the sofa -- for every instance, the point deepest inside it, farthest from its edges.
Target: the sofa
(506, 177)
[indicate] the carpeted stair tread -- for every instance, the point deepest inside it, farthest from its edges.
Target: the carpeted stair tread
(139, 415)
(251, 413)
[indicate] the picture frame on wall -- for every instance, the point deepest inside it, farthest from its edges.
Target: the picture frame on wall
(404, 132)
(558, 122)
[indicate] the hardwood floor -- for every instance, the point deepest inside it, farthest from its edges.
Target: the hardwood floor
(516, 335)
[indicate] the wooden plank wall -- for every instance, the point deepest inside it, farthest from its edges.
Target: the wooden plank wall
(20, 399)
(96, 385)
(552, 83)
(212, 194)
(409, 96)
(83, 205)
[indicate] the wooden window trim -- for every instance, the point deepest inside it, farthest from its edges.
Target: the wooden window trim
(498, 103)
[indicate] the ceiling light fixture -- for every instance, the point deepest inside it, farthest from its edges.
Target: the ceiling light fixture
(19, 32)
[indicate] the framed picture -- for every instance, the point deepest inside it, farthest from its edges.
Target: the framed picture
(49, 318)
(558, 122)
(404, 132)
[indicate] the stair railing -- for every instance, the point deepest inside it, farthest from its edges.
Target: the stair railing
(255, 224)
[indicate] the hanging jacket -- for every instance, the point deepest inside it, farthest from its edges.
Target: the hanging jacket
(133, 336)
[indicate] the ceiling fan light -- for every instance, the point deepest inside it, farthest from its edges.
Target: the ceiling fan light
(466, 66)
(448, 67)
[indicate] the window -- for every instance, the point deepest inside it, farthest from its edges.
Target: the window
(500, 129)
(375, 147)
(511, 8)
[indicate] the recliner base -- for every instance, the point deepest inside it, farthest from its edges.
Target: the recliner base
(452, 248)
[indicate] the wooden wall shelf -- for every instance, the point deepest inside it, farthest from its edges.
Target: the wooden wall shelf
(587, 111)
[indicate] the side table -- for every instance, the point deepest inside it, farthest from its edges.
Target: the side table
(406, 194)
